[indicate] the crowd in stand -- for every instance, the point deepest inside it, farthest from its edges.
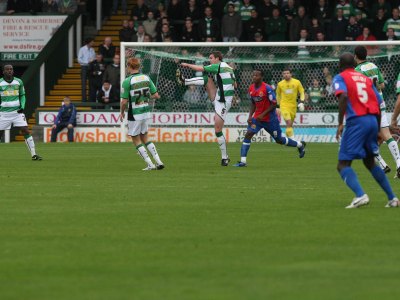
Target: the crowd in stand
(39, 6)
(261, 20)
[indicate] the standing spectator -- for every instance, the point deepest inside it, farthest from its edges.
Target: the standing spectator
(217, 7)
(175, 10)
(189, 34)
(132, 27)
(107, 94)
(235, 3)
(139, 36)
(125, 34)
(68, 7)
(245, 10)
(192, 11)
(165, 33)
(107, 49)
(231, 27)
(338, 27)
(321, 12)
(96, 72)
(299, 22)
(393, 22)
(150, 25)
(382, 4)
(361, 7)
(366, 35)
(139, 11)
(50, 6)
(209, 27)
(112, 73)
(86, 55)
(265, 9)
(346, 7)
(315, 28)
(66, 118)
(253, 26)
(115, 7)
(289, 11)
(379, 23)
(302, 51)
(160, 12)
(353, 29)
(275, 27)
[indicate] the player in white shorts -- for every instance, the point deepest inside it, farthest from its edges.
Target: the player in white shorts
(12, 105)
(221, 93)
(137, 90)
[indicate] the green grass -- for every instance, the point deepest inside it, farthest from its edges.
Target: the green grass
(87, 223)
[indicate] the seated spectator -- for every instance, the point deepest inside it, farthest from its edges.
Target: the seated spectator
(265, 9)
(125, 34)
(96, 73)
(107, 95)
(378, 24)
(168, 39)
(192, 11)
(175, 10)
(315, 96)
(366, 35)
(139, 36)
(346, 7)
(258, 37)
(209, 27)
(195, 97)
(139, 11)
(393, 22)
(321, 12)
(299, 22)
(353, 29)
(315, 28)
(189, 34)
(231, 28)
(66, 118)
(50, 6)
(320, 37)
(115, 7)
(275, 27)
(112, 74)
(150, 25)
(338, 27)
(68, 7)
(253, 26)
(107, 49)
(147, 38)
(391, 35)
(302, 51)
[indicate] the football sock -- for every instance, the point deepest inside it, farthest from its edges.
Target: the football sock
(243, 151)
(197, 81)
(222, 144)
(394, 149)
(350, 178)
(381, 178)
(379, 159)
(152, 148)
(290, 132)
(291, 143)
(143, 153)
(30, 144)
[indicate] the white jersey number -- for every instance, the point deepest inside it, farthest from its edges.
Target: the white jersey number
(361, 92)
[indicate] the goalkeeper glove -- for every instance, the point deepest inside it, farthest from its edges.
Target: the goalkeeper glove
(300, 106)
(20, 111)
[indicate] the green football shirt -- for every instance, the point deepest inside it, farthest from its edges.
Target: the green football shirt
(12, 95)
(225, 79)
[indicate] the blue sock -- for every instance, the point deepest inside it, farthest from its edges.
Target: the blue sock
(245, 147)
(381, 178)
(350, 178)
(288, 142)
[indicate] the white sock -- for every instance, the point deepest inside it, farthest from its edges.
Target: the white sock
(222, 146)
(394, 149)
(152, 148)
(195, 81)
(31, 145)
(243, 159)
(143, 153)
(381, 161)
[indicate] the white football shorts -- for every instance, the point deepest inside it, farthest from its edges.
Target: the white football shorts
(8, 119)
(138, 127)
(222, 108)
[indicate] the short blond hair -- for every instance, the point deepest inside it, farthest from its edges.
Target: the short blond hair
(134, 63)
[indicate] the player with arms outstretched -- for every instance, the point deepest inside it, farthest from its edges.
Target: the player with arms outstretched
(221, 95)
(370, 70)
(12, 105)
(137, 90)
(360, 102)
(263, 115)
(287, 92)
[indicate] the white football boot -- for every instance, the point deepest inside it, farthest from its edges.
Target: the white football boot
(149, 168)
(393, 203)
(359, 201)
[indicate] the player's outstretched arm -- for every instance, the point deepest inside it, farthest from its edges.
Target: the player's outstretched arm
(196, 68)
(156, 96)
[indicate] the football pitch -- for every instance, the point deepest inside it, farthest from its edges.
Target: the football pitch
(87, 223)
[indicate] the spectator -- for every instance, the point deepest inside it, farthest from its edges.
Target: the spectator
(265, 9)
(245, 10)
(189, 34)
(194, 96)
(96, 72)
(393, 22)
(175, 10)
(302, 51)
(150, 25)
(160, 12)
(320, 37)
(366, 35)
(107, 94)
(112, 74)
(68, 7)
(258, 37)
(235, 3)
(147, 38)
(86, 55)
(209, 27)
(361, 7)
(353, 29)
(321, 12)
(50, 6)
(217, 7)
(115, 7)
(139, 36)
(382, 4)
(299, 22)
(346, 7)
(338, 27)
(139, 11)
(132, 27)
(253, 26)
(3, 6)
(289, 11)
(391, 35)
(315, 28)
(66, 118)
(379, 23)
(192, 11)
(21, 6)
(231, 28)
(275, 27)
(125, 34)
(165, 33)
(151, 4)
(315, 95)
(107, 50)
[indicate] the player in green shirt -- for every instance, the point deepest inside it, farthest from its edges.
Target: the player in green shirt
(396, 111)
(370, 70)
(137, 90)
(221, 95)
(12, 105)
